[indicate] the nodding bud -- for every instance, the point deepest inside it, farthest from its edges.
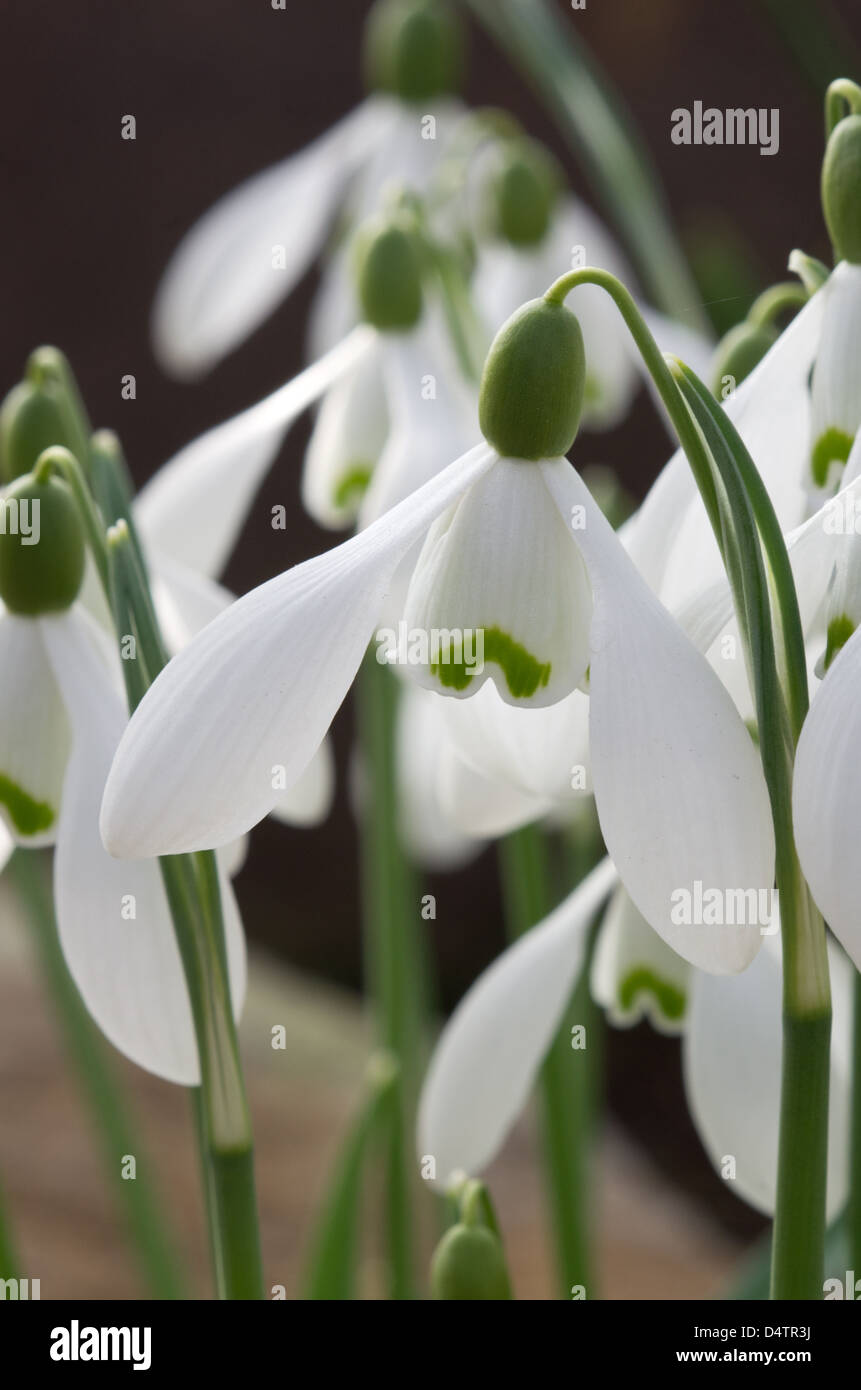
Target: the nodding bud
(389, 273)
(524, 193)
(532, 386)
(841, 188)
(42, 548)
(739, 351)
(31, 420)
(413, 48)
(469, 1265)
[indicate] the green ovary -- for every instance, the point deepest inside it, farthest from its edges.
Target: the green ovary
(833, 446)
(523, 674)
(642, 980)
(29, 817)
(352, 485)
(839, 631)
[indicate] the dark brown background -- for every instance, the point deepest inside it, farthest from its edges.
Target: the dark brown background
(224, 88)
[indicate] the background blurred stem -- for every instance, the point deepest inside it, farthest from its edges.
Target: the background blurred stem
(566, 1083)
(394, 953)
(10, 1263)
(854, 1211)
(140, 1204)
(816, 36)
(602, 136)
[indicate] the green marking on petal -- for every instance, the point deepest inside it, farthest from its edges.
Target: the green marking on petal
(839, 631)
(523, 673)
(643, 980)
(352, 485)
(834, 446)
(29, 817)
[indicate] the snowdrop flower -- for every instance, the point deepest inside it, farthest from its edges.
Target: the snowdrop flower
(371, 443)
(61, 718)
(534, 229)
(246, 254)
(490, 1051)
(183, 561)
(515, 547)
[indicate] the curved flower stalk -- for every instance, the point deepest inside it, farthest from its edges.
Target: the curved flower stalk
(61, 720)
(246, 254)
(489, 1053)
(515, 546)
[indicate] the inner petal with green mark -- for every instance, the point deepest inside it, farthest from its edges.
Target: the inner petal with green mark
(524, 673)
(642, 981)
(834, 446)
(28, 816)
(352, 485)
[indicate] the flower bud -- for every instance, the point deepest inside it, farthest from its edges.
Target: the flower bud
(389, 272)
(42, 548)
(533, 381)
(413, 48)
(524, 193)
(469, 1264)
(739, 351)
(31, 420)
(841, 188)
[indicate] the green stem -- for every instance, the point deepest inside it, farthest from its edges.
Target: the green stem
(140, 1203)
(394, 954)
(774, 301)
(841, 94)
(602, 135)
(10, 1262)
(566, 1084)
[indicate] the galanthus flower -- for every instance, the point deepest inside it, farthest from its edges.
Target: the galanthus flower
(534, 228)
(182, 562)
(381, 388)
(246, 254)
(61, 717)
(490, 1051)
(514, 548)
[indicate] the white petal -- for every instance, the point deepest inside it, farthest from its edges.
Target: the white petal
(252, 696)
(678, 783)
(7, 846)
(826, 797)
(196, 504)
(478, 804)
(423, 750)
(486, 1060)
(836, 383)
(732, 1068)
(128, 969)
(433, 415)
(634, 973)
(185, 601)
(346, 442)
(499, 568)
(771, 411)
(225, 277)
(309, 800)
(34, 735)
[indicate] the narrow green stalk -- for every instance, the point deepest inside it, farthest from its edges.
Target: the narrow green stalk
(774, 301)
(842, 98)
(140, 1204)
(393, 950)
(854, 1211)
(566, 1084)
(602, 135)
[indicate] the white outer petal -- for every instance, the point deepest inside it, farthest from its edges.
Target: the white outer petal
(308, 802)
(424, 751)
(194, 507)
(258, 689)
(129, 972)
(221, 282)
(826, 797)
(678, 783)
(487, 1057)
(732, 1069)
